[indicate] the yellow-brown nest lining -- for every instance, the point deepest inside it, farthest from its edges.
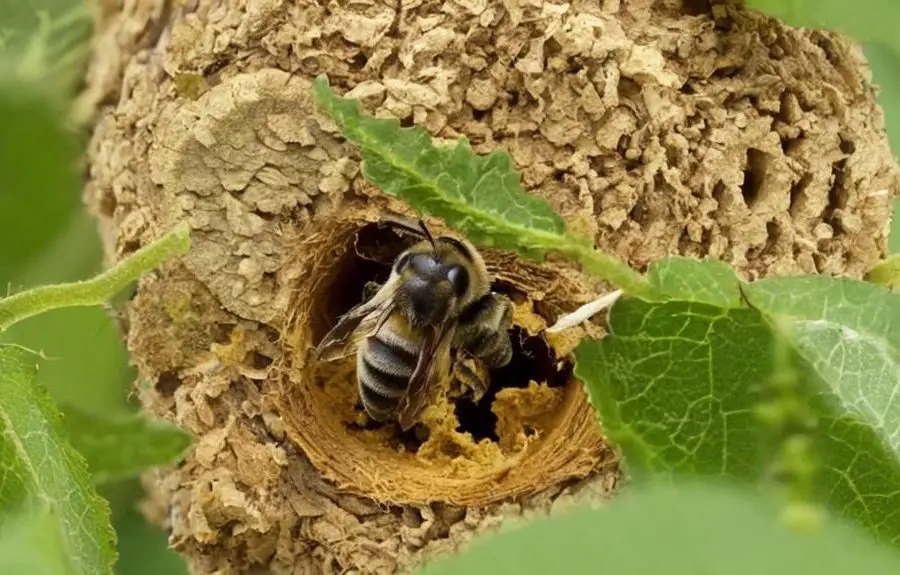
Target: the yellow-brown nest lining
(531, 430)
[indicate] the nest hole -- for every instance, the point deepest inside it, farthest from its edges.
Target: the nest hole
(370, 258)
(546, 429)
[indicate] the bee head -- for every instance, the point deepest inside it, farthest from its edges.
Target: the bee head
(438, 278)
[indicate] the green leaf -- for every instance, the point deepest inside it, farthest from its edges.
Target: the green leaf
(45, 41)
(30, 543)
(121, 446)
(22, 20)
(479, 196)
(675, 385)
(679, 385)
(40, 467)
(705, 281)
(688, 529)
(848, 334)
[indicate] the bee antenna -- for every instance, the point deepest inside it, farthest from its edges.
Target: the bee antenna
(427, 233)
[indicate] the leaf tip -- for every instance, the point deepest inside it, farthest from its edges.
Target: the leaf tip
(181, 235)
(322, 89)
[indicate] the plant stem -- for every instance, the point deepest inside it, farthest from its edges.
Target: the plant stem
(886, 273)
(99, 289)
(609, 268)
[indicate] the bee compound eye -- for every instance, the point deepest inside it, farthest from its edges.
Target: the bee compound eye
(459, 278)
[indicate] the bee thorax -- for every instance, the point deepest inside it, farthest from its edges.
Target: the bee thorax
(426, 302)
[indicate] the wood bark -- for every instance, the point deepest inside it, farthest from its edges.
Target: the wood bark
(657, 127)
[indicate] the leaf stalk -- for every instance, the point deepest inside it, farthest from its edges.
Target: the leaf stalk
(99, 289)
(609, 268)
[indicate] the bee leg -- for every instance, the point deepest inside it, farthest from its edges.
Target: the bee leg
(467, 376)
(484, 331)
(370, 289)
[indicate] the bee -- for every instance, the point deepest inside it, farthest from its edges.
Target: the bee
(435, 309)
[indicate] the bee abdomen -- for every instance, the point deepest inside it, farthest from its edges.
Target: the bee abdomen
(389, 358)
(384, 368)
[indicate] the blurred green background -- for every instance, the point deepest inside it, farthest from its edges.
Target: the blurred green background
(46, 237)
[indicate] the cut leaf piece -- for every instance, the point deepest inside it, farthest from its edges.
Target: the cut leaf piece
(40, 466)
(683, 529)
(117, 447)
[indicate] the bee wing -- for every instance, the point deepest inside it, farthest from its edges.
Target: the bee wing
(361, 321)
(356, 329)
(434, 362)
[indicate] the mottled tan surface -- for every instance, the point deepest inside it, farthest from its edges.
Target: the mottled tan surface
(658, 128)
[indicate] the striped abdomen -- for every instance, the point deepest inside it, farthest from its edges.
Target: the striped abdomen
(384, 366)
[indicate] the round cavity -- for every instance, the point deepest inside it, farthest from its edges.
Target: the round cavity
(532, 428)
